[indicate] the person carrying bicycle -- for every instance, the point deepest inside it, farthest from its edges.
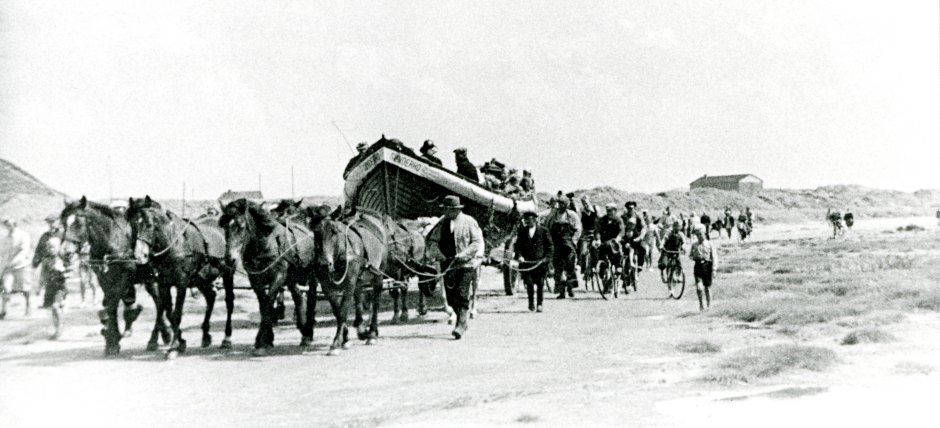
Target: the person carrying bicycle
(672, 247)
(703, 254)
(609, 231)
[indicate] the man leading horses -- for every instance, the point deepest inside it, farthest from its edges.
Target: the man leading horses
(457, 241)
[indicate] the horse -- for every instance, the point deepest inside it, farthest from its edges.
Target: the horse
(110, 256)
(274, 256)
(362, 253)
(184, 254)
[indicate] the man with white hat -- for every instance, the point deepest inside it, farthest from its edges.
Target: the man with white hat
(457, 241)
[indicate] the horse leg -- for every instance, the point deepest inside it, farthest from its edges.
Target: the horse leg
(300, 313)
(404, 302)
(178, 344)
(265, 327)
(374, 321)
(131, 309)
(228, 281)
(158, 325)
(395, 295)
(422, 305)
(451, 314)
(310, 314)
(208, 292)
(358, 320)
(280, 309)
(108, 317)
(340, 311)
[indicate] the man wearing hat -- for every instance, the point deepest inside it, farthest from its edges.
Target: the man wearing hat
(457, 241)
(464, 166)
(609, 231)
(14, 265)
(43, 252)
(534, 250)
(361, 153)
(428, 149)
(119, 207)
(565, 228)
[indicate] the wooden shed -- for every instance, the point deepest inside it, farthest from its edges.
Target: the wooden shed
(744, 183)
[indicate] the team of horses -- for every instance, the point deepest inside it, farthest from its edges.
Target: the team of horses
(351, 259)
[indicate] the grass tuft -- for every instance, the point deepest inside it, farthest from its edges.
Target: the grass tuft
(868, 335)
(698, 347)
(748, 365)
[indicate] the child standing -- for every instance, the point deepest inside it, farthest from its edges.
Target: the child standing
(703, 254)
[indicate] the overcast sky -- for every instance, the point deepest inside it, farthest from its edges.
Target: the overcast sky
(640, 95)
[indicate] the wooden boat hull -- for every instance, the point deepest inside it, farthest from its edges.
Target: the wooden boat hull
(392, 181)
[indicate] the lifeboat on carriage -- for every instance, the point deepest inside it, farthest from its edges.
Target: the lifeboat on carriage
(392, 179)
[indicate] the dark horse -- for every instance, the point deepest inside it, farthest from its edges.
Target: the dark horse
(361, 253)
(273, 256)
(111, 259)
(184, 254)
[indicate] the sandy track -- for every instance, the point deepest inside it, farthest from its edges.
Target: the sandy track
(583, 361)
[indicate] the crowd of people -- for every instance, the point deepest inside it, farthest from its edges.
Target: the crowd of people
(493, 174)
(574, 237)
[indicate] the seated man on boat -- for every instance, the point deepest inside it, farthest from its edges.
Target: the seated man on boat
(428, 150)
(511, 189)
(464, 166)
(361, 150)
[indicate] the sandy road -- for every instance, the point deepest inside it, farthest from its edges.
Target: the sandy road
(582, 362)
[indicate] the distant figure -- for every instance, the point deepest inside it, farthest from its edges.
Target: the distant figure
(464, 166)
(707, 224)
(564, 225)
(428, 150)
(42, 252)
(361, 149)
(835, 218)
(750, 218)
(589, 219)
(633, 233)
(15, 274)
(528, 183)
(53, 278)
(728, 221)
(743, 229)
(718, 226)
(849, 219)
(703, 254)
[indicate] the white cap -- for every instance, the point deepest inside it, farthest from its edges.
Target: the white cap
(119, 203)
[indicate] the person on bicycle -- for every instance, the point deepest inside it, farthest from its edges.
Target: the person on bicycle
(672, 247)
(589, 219)
(609, 231)
(703, 254)
(633, 233)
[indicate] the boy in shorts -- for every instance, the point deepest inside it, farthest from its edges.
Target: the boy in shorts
(703, 254)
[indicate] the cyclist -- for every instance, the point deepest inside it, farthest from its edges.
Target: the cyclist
(589, 219)
(672, 247)
(609, 231)
(633, 233)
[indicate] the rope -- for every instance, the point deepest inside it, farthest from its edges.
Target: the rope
(279, 257)
(535, 266)
(345, 257)
(172, 243)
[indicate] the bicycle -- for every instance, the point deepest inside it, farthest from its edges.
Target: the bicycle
(609, 275)
(629, 270)
(673, 276)
(587, 261)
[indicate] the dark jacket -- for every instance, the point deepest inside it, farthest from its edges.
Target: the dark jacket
(466, 168)
(538, 247)
(433, 159)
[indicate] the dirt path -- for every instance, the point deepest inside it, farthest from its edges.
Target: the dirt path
(582, 362)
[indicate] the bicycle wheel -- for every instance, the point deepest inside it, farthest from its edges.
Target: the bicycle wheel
(676, 282)
(604, 277)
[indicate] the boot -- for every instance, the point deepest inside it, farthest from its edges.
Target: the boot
(461, 324)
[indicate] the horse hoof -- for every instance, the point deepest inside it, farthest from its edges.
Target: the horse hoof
(395, 320)
(172, 354)
(372, 341)
(128, 333)
(152, 346)
(333, 352)
(259, 352)
(404, 317)
(207, 341)
(362, 335)
(305, 343)
(226, 344)
(112, 351)
(345, 345)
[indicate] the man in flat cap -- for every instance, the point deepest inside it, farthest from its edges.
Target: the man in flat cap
(457, 241)
(360, 155)
(564, 225)
(534, 251)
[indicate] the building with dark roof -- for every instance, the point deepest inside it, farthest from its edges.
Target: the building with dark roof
(744, 183)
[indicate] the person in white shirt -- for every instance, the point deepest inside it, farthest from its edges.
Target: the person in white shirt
(703, 254)
(15, 273)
